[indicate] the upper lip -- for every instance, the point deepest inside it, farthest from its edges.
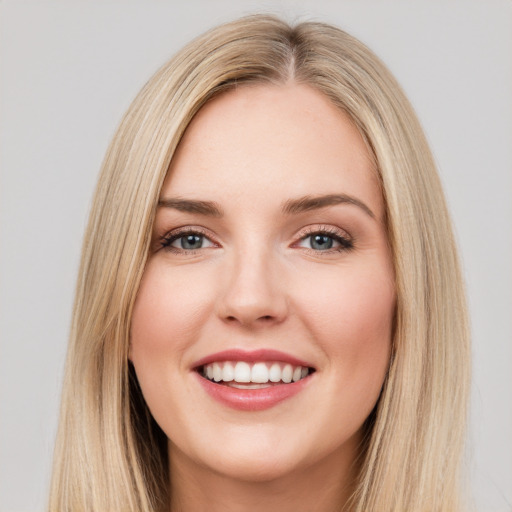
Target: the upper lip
(250, 356)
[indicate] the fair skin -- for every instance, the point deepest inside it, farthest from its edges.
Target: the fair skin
(263, 271)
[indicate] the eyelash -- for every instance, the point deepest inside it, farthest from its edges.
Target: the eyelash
(345, 243)
(167, 240)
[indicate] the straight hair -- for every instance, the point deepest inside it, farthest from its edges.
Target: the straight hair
(110, 454)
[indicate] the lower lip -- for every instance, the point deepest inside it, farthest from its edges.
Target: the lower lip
(252, 399)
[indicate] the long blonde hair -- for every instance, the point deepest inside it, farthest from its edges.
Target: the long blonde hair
(110, 454)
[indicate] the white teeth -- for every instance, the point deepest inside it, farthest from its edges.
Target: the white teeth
(287, 373)
(217, 372)
(253, 375)
(259, 373)
(228, 372)
(275, 373)
(242, 372)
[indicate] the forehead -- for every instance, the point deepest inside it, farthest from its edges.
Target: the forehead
(264, 142)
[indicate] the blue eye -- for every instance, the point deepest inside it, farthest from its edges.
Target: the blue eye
(322, 242)
(186, 241)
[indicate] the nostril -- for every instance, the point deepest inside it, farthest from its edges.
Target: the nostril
(265, 318)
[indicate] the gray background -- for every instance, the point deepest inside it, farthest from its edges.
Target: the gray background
(69, 70)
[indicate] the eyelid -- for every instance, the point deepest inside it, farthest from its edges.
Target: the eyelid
(345, 240)
(323, 228)
(165, 241)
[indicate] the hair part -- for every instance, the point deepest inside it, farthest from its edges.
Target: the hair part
(110, 453)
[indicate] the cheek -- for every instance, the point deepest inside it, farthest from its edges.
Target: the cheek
(169, 311)
(353, 299)
(351, 315)
(167, 317)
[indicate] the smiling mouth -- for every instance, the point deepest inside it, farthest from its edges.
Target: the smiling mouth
(257, 375)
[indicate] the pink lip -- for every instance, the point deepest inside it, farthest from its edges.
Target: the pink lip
(251, 399)
(251, 357)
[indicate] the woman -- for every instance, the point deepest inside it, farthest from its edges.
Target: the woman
(269, 311)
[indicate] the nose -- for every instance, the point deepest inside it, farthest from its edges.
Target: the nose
(254, 292)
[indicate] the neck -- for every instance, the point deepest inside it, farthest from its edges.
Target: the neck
(325, 486)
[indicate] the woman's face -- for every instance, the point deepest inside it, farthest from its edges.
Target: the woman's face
(269, 263)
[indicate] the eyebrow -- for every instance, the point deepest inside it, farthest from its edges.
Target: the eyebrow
(290, 207)
(209, 208)
(306, 203)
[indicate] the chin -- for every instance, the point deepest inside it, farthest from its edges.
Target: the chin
(270, 456)
(246, 458)
(264, 468)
